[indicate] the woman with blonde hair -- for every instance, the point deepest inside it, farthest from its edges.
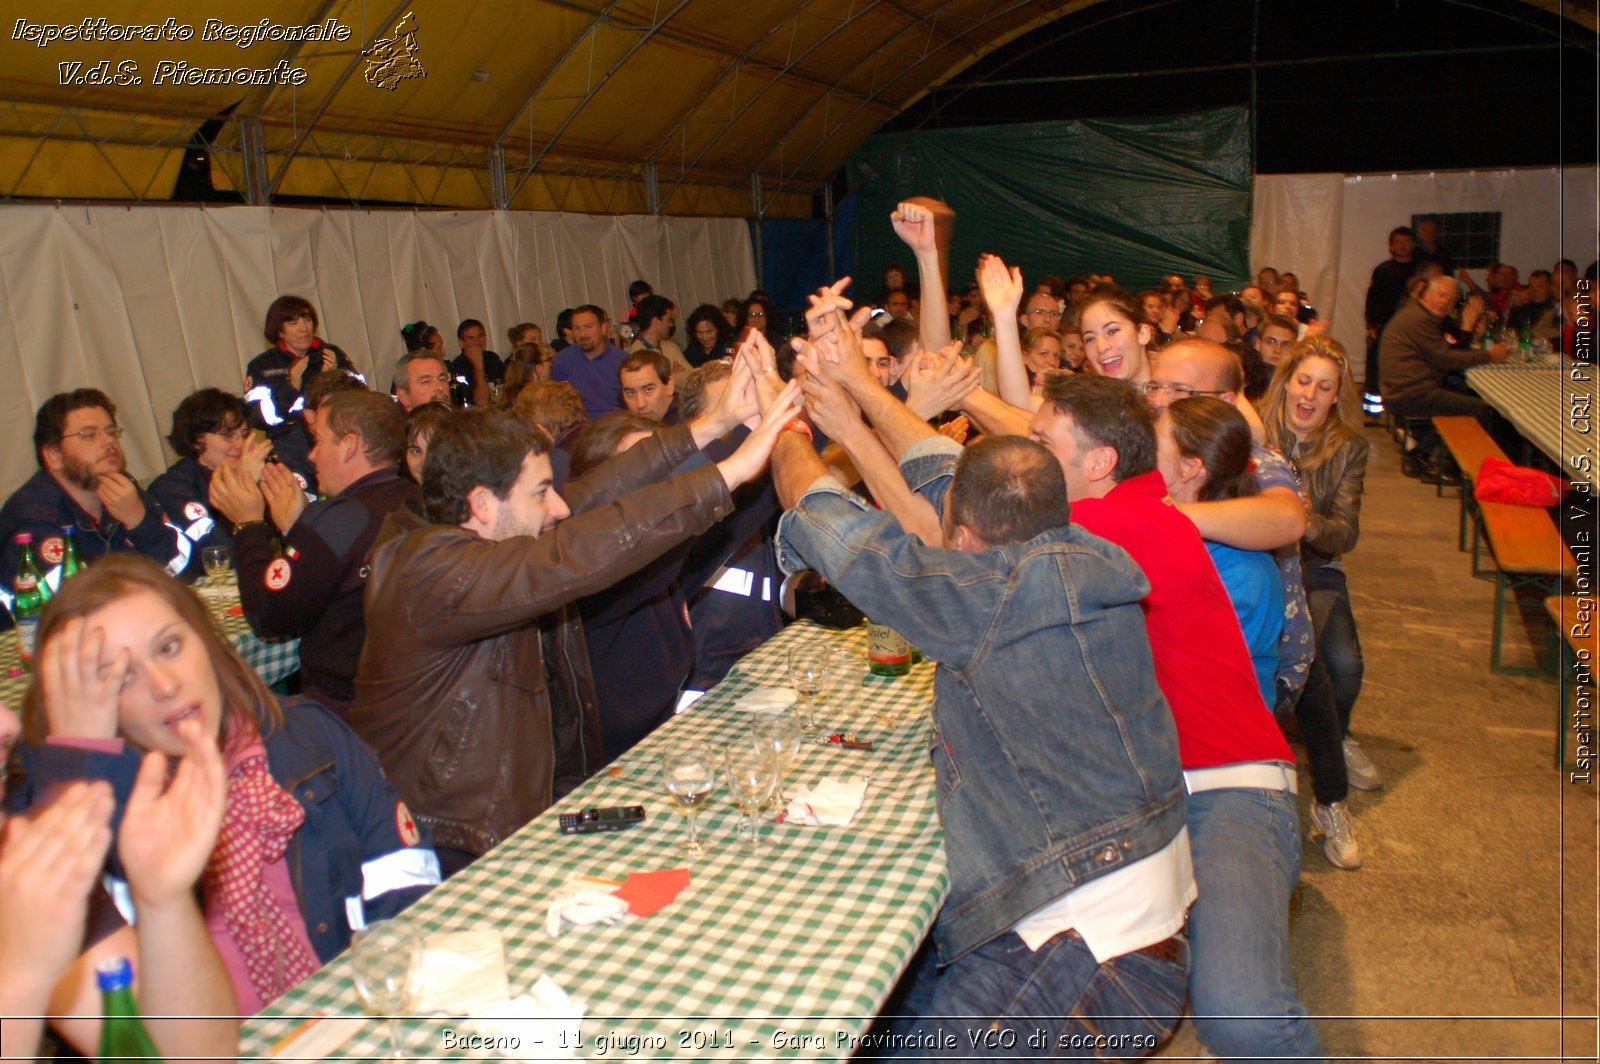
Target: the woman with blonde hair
(1313, 415)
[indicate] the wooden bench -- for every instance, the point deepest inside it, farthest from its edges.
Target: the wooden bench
(1575, 618)
(1528, 552)
(1468, 445)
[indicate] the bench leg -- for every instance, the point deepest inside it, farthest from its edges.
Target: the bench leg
(1504, 582)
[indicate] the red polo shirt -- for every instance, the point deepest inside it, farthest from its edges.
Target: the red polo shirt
(1202, 663)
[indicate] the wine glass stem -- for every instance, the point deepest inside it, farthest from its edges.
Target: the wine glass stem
(394, 1038)
(694, 838)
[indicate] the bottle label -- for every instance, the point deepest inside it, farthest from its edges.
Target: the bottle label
(25, 582)
(27, 628)
(888, 654)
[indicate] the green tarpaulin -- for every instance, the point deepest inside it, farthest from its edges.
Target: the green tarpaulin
(1135, 197)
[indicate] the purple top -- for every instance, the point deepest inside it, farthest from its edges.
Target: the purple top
(595, 378)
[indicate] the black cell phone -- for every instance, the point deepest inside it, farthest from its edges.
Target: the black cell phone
(611, 818)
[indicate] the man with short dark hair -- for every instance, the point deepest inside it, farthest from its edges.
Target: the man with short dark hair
(1243, 821)
(647, 386)
(1384, 295)
(476, 370)
(1276, 335)
(83, 481)
(1070, 916)
(421, 377)
(591, 363)
(656, 320)
(313, 590)
(452, 689)
(897, 301)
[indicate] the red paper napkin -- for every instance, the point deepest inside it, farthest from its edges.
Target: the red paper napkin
(649, 892)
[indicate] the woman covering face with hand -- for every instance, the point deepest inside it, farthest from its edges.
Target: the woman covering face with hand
(313, 836)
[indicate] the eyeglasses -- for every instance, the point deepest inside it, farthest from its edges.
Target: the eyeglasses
(756, 314)
(1176, 391)
(91, 435)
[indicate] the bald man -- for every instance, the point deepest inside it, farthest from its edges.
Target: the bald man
(1419, 369)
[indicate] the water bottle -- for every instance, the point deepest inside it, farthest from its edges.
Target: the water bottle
(122, 1033)
(888, 654)
(71, 563)
(29, 594)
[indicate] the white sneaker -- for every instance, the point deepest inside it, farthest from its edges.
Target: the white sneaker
(1364, 775)
(1337, 828)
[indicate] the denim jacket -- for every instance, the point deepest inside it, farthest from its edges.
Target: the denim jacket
(1054, 751)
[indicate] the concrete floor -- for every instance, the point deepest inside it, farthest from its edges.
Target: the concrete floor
(1470, 933)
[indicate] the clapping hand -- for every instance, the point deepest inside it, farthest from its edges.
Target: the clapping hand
(49, 861)
(236, 496)
(283, 496)
(819, 312)
(170, 828)
(939, 380)
(253, 460)
(830, 408)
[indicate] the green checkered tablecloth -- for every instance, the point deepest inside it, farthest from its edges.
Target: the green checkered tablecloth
(806, 937)
(273, 659)
(1552, 404)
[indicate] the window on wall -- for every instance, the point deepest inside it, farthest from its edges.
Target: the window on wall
(1471, 237)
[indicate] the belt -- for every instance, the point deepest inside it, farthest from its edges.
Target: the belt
(1263, 775)
(1169, 949)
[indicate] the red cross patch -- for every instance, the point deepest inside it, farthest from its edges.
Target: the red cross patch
(405, 825)
(193, 511)
(51, 550)
(300, 480)
(278, 574)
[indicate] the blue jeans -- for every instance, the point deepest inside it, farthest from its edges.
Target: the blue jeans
(1338, 642)
(1005, 1000)
(1246, 847)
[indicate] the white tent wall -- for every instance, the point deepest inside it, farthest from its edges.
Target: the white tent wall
(1336, 226)
(150, 303)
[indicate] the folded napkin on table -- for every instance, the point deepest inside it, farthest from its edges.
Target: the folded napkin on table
(649, 892)
(462, 971)
(830, 803)
(766, 700)
(544, 1023)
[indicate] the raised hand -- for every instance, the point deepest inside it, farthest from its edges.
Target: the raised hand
(956, 429)
(913, 223)
(827, 404)
(285, 500)
(1001, 287)
(80, 695)
(169, 829)
(120, 497)
(48, 863)
(939, 380)
(819, 312)
(762, 362)
(235, 496)
(748, 462)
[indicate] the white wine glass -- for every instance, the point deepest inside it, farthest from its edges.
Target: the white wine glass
(218, 562)
(780, 732)
(752, 769)
(386, 961)
(808, 672)
(690, 774)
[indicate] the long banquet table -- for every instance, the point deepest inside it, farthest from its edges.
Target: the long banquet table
(272, 659)
(789, 951)
(1550, 404)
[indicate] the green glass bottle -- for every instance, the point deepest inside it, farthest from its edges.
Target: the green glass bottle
(122, 1033)
(29, 594)
(71, 564)
(888, 654)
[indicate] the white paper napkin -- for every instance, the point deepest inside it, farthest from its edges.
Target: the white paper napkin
(831, 803)
(463, 971)
(543, 1024)
(766, 700)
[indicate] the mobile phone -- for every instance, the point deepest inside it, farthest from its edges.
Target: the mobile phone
(610, 818)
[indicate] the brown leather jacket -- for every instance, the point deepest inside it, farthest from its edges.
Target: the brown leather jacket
(476, 699)
(1333, 521)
